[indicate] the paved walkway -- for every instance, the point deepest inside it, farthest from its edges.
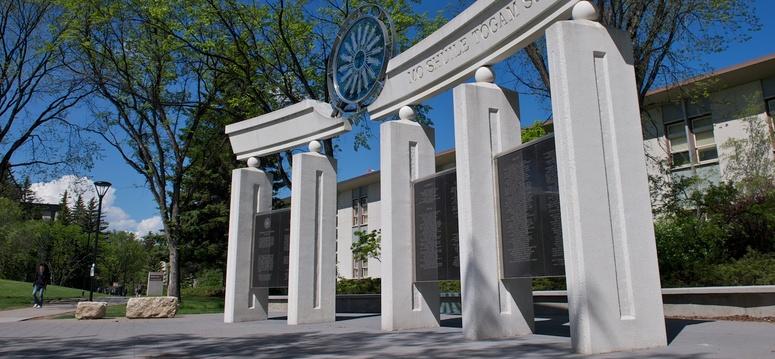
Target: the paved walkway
(351, 336)
(49, 309)
(18, 315)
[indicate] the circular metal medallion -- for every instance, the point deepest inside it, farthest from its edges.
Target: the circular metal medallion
(359, 58)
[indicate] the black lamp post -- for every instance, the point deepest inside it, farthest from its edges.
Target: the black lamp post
(102, 189)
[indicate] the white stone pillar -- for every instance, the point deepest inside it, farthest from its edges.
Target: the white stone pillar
(312, 272)
(406, 153)
(486, 124)
(611, 267)
(251, 192)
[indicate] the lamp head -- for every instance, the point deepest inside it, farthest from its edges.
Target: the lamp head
(102, 188)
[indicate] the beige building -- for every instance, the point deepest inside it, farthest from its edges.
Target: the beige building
(685, 128)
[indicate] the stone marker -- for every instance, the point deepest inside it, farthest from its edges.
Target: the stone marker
(152, 307)
(614, 295)
(486, 124)
(155, 284)
(407, 153)
(90, 310)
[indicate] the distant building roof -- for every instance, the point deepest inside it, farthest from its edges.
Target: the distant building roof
(734, 75)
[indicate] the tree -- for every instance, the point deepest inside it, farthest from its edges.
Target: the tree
(366, 245)
(275, 54)
(122, 259)
(35, 92)
(153, 93)
(64, 216)
(668, 37)
(271, 55)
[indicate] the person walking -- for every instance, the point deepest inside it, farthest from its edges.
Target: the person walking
(42, 277)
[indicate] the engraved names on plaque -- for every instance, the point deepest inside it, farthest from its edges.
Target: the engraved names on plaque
(529, 201)
(271, 244)
(436, 251)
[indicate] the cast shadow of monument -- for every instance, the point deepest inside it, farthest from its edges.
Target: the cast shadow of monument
(339, 318)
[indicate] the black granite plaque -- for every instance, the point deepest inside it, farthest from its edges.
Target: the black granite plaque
(271, 245)
(529, 201)
(436, 251)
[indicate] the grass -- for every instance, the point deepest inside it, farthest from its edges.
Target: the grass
(15, 294)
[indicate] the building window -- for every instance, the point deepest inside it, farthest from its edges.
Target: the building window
(678, 143)
(771, 107)
(360, 206)
(704, 143)
(689, 133)
(360, 269)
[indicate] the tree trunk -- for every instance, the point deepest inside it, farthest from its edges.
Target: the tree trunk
(173, 285)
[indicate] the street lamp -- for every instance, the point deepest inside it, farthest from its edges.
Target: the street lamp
(102, 188)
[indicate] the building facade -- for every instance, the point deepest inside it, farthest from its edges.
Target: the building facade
(685, 127)
(688, 127)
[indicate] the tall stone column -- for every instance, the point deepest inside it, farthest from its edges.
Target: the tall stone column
(614, 295)
(407, 153)
(486, 124)
(312, 272)
(251, 192)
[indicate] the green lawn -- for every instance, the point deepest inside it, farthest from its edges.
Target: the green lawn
(15, 294)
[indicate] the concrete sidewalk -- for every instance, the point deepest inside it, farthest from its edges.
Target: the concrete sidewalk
(50, 309)
(351, 336)
(22, 314)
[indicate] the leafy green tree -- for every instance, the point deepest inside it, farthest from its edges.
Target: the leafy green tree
(122, 260)
(366, 245)
(271, 55)
(156, 92)
(69, 254)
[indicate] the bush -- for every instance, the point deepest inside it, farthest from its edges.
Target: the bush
(753, 269)
(210, 278)
(203, 292)
(358, 286)
(720, 235)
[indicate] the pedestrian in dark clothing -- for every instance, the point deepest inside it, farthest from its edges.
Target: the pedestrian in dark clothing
(42, 278)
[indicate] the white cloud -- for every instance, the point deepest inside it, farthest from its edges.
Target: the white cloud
(117, 218)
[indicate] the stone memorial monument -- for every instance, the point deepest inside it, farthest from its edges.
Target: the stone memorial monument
(600, 186)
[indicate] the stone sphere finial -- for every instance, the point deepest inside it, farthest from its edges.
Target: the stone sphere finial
(584, 10)
(253, 162)
(314, 146)
(406, 113)
(484, 74)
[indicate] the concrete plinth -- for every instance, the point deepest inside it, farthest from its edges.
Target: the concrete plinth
(406, 153)
(610, 254)
(312, 272)
(251, 192)
(486, 123)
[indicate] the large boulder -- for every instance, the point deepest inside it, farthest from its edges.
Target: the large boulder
(152, 307)
(91, 310)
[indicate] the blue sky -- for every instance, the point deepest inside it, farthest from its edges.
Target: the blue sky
(133, 208)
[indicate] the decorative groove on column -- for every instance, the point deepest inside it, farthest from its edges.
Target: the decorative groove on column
(616, 208)
(318, 240)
